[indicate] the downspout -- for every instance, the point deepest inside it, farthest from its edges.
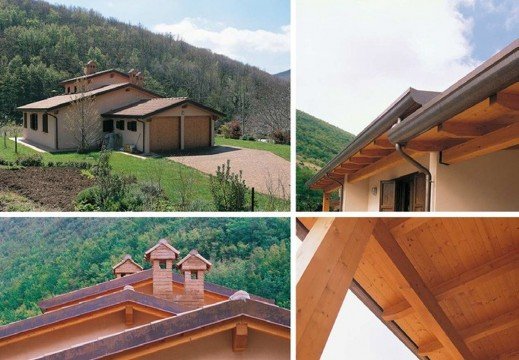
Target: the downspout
(423, 170)
(340, 193)
(55, 135)
(143, 135)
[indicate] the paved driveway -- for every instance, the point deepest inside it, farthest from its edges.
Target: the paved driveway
(266, 172)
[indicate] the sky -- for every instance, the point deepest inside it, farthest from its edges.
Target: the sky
(359, 334)
(354, 57)
(255, 32)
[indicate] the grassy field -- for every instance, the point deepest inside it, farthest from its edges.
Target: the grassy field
(157, 169)
(13, 202)
(278, 149)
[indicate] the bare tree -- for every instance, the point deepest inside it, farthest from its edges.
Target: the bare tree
(83, 120)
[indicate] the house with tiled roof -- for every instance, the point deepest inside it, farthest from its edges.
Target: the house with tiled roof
(151, 314)
(143, 120)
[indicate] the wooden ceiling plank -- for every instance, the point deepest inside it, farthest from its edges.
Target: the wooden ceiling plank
(477, 332)
(384, 144)
(471, 278)
(322, 286)
(419, 296)
(497, 140)
(363, 160)
(410, 224)
(376, 152)
(385, 163)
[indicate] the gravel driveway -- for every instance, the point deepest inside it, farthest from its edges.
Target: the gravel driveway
(266, 172)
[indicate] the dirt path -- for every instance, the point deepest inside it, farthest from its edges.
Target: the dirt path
(54, 188)
(266, 172)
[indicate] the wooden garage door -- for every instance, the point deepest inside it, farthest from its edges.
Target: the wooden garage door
(197, 132)
(165, 134)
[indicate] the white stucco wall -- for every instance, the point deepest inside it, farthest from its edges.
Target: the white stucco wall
(486, 183)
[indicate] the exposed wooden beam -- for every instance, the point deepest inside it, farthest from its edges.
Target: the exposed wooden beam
(326, 263)
(307, 222)
(497, 140)
(462, 129)
(468, 280)
(128, 315)
(326, 201)
(406, 226)
(508, 100)
(384, 144)
(513, 355)
(426, 145)
(376, 167)
(376, 152)
(362, 160)
(419, 296)
(478, 331)
(350, 166)
(397, 311)
(342, 171)
(240, 337)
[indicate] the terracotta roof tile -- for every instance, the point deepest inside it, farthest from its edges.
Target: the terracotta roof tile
(92, 75)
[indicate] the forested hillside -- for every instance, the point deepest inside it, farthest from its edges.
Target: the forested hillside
(317, 143)
(41, 44)
(43, 257)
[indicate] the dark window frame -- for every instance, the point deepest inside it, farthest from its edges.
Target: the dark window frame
(34, 121)
(45, 123)
(131, 125)
(25, 120)
(119, 124)
(110, 127)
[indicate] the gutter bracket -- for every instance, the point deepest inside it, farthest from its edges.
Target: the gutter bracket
(441, 159)
(342, 189)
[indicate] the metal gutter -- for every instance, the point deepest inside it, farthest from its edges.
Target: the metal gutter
(422, 169)
(384, 122)
(495, 74)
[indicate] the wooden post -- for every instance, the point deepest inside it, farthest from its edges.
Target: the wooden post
(326, 201)
(182, 132)
(5, 139)
(16, 144)
(326, 263)
(252, 200)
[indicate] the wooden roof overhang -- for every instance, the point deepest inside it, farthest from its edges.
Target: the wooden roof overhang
(447, 287)
(193, 325)
(85, 311)
(138, 281)
(477, 115)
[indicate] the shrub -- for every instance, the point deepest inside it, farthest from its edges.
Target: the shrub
(280, 136)
(248, 137)
(225, 131)
(228, 189)
(235, 129)
(30, 160)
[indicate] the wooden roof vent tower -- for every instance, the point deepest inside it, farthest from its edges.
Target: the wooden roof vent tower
(193, 267)
(126, 267)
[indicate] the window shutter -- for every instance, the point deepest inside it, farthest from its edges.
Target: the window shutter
(387, 195)
(419, 192)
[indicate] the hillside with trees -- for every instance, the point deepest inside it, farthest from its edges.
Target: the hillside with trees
(41, 44)
(317, 143)
(43, 257)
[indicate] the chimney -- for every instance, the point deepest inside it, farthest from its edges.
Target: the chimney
(126, 267)
(139, 79)
(193, 267)
(90, 67)
(162, 257)
(135, 77)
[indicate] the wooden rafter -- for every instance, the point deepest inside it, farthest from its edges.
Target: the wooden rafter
(375, 152)
(240, 337)
(497, 140)
(385, 163)
(326, 263)
(362, 160)
(478, 331)
(419, 296)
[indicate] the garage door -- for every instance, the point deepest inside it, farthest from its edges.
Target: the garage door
(165, 134)
(197, 131)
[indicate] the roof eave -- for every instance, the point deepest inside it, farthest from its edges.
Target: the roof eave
(495, 74)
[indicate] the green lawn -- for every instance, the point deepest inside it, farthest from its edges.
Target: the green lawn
(278, 149)
(166, 171)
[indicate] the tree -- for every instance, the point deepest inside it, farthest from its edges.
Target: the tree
(83, 119)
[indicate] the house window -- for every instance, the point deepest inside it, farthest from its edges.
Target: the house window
(75, 89)
(162, 264)
(34, 121)
(406, 193)
(194, 275)
(25, 120)
(108, 126)
(45, 123)
(119, 124)
(132, 125)
(68, 90)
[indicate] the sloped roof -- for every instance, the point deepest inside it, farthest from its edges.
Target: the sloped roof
(93, 75)
(62, 100)
(148, 108)
(161, 242)
(126, 258)
(195, 254)
(403, 106)
(181, 325)
(114, 284)
(77, 310)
